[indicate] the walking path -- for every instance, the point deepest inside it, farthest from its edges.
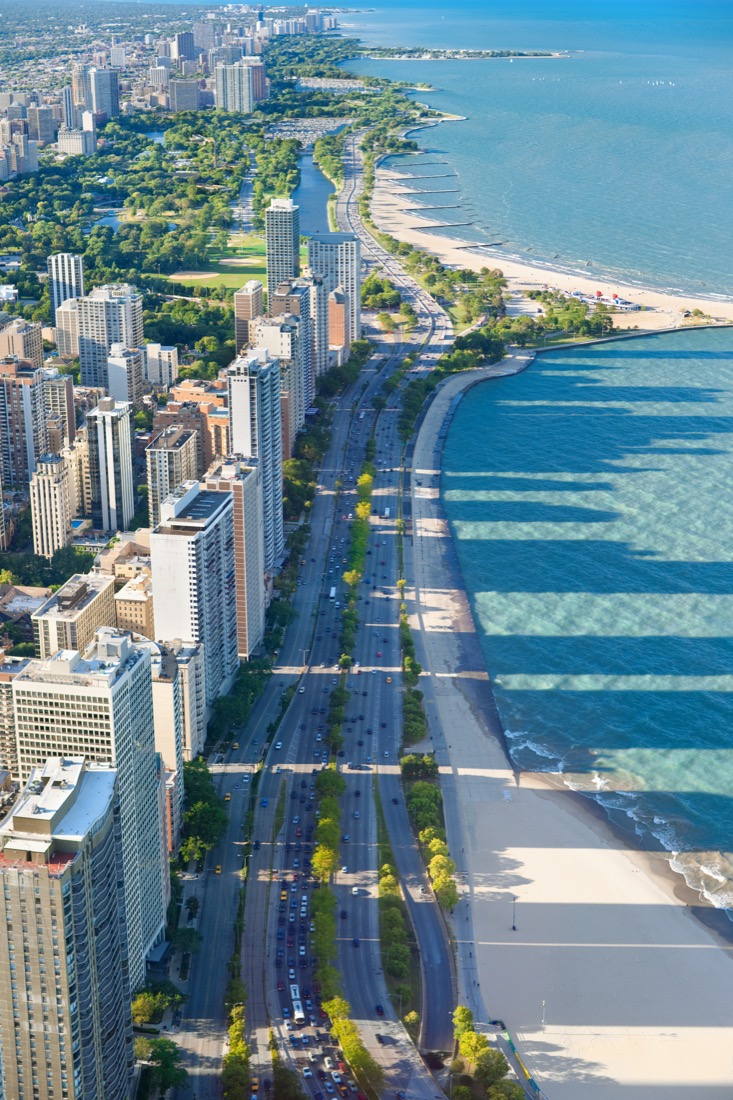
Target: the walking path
(607, 984)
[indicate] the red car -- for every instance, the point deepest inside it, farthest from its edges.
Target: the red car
(379, 653)
(281, 986)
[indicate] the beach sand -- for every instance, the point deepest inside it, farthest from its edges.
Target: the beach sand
(587, 950)
(664, 310)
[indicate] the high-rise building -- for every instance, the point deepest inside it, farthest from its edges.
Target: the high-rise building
(295, 298)
(66, 1027)
(111, 314)
(158, 76)
(80, 87)
(319, 328)
(22, 340)
(51, 515)
(192, 551)
(58, 398)
(110, 462)
(184, 95)
(256, 433)
(204, 34)
(126, 374)
(282, 238)
(41, 125)
(118, 57)
(104, 89)
(191, 678)
(65, 279)
(77, 455)
(234, 87)
(338, 320)
(182, 47)
(71, 616)
(22, 421)
(67, 329)
(68, 109)
(9, 669)
(244, 483)
(171, 459)
(248, 305)
(337, 257)
(100, 706)
(260, 89)
(284, 338)
(161, 364)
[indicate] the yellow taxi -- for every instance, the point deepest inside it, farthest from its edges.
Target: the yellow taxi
(235, 745)
(217, 869)
(228, 796)
(389, 679)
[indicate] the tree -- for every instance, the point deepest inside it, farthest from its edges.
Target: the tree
(462, 1021)
(165, 1058)
(490, 1066)
(330, 783)
(193, 905)
(144, 1008)
(207, 822)
(142, 1048)
(187, 940)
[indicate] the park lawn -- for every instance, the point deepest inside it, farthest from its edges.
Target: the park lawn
(248, 248)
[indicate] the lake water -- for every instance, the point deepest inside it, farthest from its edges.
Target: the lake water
(616, 160)
(590, 502)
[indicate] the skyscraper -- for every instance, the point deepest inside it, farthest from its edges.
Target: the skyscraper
(282, 237)
(68, 110)
(65, 279)
(111, 314)
(256, 433)
(284, 338)
(337, 257)
(126, 374)
(182, 47)
(295, 298)
(22, 421)
(41, 125)
(184, 95)
(100, 706)
(245, 484)
(171, 459)
(248, 304)
(65, 1029)
(67, 329)
(80, 87)
(58, 398)
(234, 87)
(104, 88)
(161, 364)
(51, 516)
(110, 462)
(192, 551)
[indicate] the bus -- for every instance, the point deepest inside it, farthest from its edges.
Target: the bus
(298, 1014)
(294, 993)
(332, 594)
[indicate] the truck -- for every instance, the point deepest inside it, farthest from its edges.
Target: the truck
(332, 594)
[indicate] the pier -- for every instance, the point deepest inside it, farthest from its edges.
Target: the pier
(447, 191)
(419, 209)
(438, 176)
(447, 225)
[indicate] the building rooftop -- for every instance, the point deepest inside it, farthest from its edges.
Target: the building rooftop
(170, 439)
(109, 656)
(74, 596)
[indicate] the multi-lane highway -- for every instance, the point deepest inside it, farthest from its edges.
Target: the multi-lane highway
(276, 950)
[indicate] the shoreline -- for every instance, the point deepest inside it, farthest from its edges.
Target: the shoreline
(605, 934)
(661, 308)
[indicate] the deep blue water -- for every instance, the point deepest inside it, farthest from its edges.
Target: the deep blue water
(616, 160)
(590, 502)
(311, 195)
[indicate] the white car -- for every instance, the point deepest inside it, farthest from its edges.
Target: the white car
(307, 1072)
(278, 744)
(301, 691)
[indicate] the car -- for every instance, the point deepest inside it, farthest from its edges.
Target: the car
(345, 838)
(254, 1084)
(265, 803)
(301, 951)
(355, 891)
(307, 1072)
(328, 1063)
(280, 985)
(389, 679)
(344, 914)
(383, 725)
(291, 974)
(256, 845)
(296, 820)
(301, 691)
(278, 744)
(228, 796)
(360, 742)
(329, 1088)
(305, 1040)
(379, 653)
(357, 814)
(379, 1010)
(386, 752)
(217, 869)
(236, 745)
(355, 941)
(395, 802)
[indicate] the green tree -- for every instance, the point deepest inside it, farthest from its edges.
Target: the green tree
(165, 1059)
(187, 940)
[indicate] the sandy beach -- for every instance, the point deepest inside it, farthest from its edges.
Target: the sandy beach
(589, 952)
(661, 310)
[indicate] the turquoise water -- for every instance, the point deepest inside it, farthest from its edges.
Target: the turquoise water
(590, 502)
(616, 160)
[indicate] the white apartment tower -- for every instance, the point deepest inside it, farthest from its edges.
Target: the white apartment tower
(161, 364)
(100, 706)
(284, 338)
(192, 552)
(171, 459)
(67, 329)
(282, 241)
(337, 257)
(111, 314)
(126, 375)
(51, 505)
(65, 278)
(110, 463)
(65, 1025)
(245, 484)
(256, 433)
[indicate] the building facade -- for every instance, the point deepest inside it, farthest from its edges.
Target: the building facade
(71, 616)
(65, 279)
(51, 508)
(171, 459)
(161, 364)
(110, 463)
(23, 437)
(111, 314)
(248, 306)
(282, 242)
(337, 257)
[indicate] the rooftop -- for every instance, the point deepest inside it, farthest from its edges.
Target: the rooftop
(74, 596)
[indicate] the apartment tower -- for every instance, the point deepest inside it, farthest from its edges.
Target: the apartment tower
(171, 459)
(65, 278)
(110, 463)
(282, 241)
